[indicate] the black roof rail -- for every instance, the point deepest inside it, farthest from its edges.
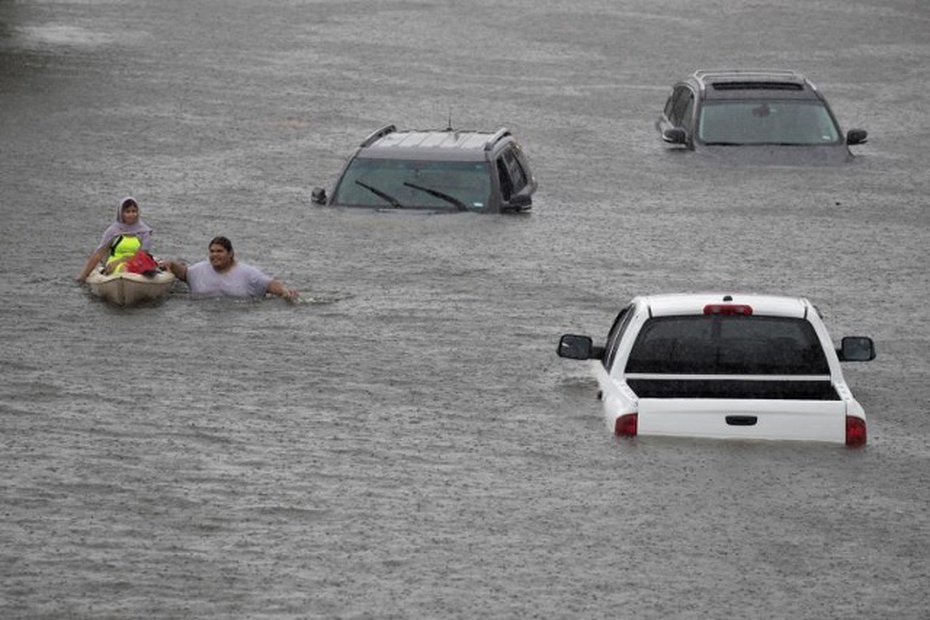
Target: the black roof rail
(380, 133)
(502, 133)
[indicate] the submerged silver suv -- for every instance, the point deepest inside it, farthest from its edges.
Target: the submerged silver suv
(755, 115)
(444, 170)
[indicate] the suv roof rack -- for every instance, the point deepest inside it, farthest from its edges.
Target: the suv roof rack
(488, 144)
(744, 79)
(756, 85)
(706, 73)
(499, 135)
(378, 134)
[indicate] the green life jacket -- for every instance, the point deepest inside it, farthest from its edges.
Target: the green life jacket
(124, 246)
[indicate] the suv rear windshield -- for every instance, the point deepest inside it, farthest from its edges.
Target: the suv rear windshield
(415, 184)
(728, 344)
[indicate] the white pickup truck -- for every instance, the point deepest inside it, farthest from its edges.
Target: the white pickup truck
(725, 366)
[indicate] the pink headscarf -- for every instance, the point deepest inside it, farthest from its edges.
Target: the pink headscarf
(118, 227)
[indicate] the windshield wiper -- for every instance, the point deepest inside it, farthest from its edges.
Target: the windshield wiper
(461, 206)
(384, 195)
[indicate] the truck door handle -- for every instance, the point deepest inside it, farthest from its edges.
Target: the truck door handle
(742, 420)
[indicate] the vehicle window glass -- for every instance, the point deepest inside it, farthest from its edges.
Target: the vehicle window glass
(517, 174)
(367, 181)
(683, 97)
(522, 162)
(514, 172)
(767, 122)
(687, 115)
(504, 176)
(724, 344)
(670, 106)
(614, 336)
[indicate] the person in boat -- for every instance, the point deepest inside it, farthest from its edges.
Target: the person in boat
(221, 275)
(122, 239)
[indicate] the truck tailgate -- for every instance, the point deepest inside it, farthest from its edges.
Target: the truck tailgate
(810, 420)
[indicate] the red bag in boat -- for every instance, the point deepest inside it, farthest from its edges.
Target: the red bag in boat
(142, 262)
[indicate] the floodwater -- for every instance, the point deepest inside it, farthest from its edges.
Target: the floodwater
(404, 443)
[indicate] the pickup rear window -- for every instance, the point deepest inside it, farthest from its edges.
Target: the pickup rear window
(729, 389)
(727, 344)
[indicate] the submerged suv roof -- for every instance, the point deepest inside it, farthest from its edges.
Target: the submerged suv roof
(435, 170)
(755, 116)
(432, 144)
(730, 83)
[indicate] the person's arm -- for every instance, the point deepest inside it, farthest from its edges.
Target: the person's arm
(111, 266)
(95, 259)
(178, 269)
(275, 287)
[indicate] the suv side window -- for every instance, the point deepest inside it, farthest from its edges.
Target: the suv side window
(512, 176)
(681, 104)
(614, 336)
(670, 106)
(687, 115)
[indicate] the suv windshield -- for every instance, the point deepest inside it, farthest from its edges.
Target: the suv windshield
(728, 344)
(415, 184)
(773, 122)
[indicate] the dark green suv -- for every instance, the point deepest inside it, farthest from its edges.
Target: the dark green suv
(444, 170)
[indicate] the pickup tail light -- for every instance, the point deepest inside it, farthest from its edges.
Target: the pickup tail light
(856, 433)
(728, 309)
(625, 426)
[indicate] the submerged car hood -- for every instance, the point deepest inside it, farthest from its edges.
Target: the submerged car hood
(771, 154)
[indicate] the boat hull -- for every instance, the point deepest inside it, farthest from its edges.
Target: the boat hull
(130, 289)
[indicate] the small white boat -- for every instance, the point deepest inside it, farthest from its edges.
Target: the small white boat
(129, 289)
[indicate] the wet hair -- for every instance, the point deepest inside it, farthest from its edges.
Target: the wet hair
(223, 241)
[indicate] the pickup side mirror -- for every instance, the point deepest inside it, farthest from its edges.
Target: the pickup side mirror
(318, 196)
(856, 349)
(675, 135)
(576, 347)
(857, 136)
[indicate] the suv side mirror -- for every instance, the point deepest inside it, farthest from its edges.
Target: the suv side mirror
(576, 347)
(857, 136)
(675, 135)
(856, 349)
(318, 196)
(519, 201)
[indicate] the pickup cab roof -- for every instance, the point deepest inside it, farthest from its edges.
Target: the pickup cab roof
(681, 303)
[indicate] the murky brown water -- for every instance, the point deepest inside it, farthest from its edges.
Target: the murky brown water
(405, 443)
